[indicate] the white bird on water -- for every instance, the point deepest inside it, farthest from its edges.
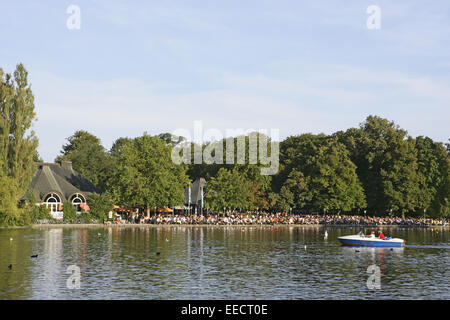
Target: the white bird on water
(10, 239)
(305, 247)
(326, 234)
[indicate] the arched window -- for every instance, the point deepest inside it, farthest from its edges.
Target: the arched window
(77, 199)
(52, 201)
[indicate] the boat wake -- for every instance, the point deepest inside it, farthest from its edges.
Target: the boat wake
(424, 246)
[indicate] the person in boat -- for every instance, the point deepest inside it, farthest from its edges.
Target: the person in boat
(372, 234)
(381, 235)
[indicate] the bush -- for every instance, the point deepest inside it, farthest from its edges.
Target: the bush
(100, 205)
(87, 217)
(70, 212)
(40, 213)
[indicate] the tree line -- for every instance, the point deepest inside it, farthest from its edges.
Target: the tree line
(375, 168)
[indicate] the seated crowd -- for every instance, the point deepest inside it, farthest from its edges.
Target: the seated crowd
(253, 218)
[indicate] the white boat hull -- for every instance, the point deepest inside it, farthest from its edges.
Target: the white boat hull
(357, 240)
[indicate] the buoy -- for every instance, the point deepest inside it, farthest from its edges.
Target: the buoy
(10, 239)
(167, 240)
(305, 247)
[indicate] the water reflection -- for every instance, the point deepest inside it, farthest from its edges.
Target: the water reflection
(229, 262)
(46, 268)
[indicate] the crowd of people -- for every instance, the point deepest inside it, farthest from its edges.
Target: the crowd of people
(286, 219)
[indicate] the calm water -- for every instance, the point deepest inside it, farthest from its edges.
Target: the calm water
(219, 263)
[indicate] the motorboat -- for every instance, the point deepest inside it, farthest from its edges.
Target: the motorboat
(369, 241)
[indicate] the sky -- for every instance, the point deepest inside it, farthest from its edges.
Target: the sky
(296, 66)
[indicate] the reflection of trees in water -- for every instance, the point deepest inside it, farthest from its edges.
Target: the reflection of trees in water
(194, 258)
(219, 261)
(48, 273)
(14, 283)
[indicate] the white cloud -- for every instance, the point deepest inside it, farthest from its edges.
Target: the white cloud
(328, 99)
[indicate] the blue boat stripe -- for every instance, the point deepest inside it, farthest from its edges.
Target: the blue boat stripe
(371, 243)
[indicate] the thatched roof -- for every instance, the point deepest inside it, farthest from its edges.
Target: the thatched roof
(60, 178)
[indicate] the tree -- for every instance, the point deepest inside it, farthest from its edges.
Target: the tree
(100, 205)
(285, 200)
(17, 143)
(146, 176)
(333, 180)
(294, 192)
(240, 150)
(77, 141)
(244, 156)
(294, 153)
(257, 199)
(10, 214)
(433, 169)
(259, 185)
(317, 173)
(88, 157)
(386, 161)
(227, 189)
(116, 148)
(234, 152)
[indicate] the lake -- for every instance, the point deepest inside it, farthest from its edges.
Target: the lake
(219, 262)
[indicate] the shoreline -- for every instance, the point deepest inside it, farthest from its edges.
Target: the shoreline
(81, 225)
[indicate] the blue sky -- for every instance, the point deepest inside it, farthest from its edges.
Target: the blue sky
(296, 66)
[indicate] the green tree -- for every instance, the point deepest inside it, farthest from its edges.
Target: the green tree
(240, 149)
(386, 161)
(295, 192)
(77, 141)
(88, 157)
(294, 153)
(146, 176)
(17, 143)
(285, 199)
(227, 189)
(116, 148)
(100, 205)
(317, 173)
(273, 199)
(333, 180)
(10, 214)
(259, 185)
(433, 170)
